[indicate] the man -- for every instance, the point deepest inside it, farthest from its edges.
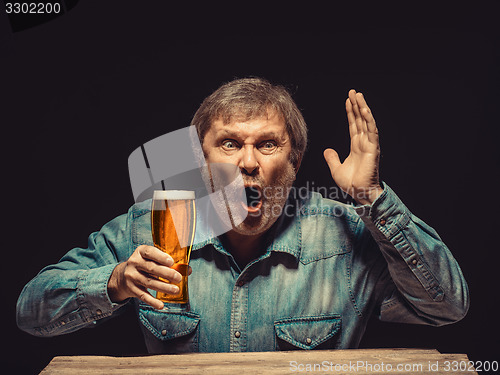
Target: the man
(299, 272)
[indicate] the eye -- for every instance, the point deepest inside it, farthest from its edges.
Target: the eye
(229, 144)
(268, 146)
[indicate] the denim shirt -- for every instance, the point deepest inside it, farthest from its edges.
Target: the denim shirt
(326, 269)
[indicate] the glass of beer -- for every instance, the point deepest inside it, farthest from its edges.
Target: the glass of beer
(173, 222)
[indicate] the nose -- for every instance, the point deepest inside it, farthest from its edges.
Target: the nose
(248, 162)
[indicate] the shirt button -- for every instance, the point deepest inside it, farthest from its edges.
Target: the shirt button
(98, 312)
(164, 332)
(382, 221)
(309, 341)
(63, 323)
(240, 283)
(414, 261)
(237, 334)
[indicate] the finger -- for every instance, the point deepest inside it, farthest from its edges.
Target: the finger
(366, 113)
(190, 270)
(350, 118)
(332, 159)
(155, 284)
(354, 102)
(369, 119)
(355, 108)
(359, 100)
(156, 270)
(145, 297)
(156, 255)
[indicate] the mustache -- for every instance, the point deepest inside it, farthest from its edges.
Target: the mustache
(254, 181)
(259, 182)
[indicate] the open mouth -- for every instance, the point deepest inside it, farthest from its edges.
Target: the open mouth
(253, 198)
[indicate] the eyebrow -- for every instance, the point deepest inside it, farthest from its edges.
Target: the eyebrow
(265, 134)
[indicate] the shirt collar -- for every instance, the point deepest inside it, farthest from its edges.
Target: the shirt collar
(286, 232)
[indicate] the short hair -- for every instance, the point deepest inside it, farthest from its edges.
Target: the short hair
(250, 98)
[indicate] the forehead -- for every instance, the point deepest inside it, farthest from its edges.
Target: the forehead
(272, 124)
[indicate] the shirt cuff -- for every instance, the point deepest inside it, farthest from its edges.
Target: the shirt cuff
(387, 213)
(92, 293)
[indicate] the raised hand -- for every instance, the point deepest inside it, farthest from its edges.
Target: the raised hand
(358, 175)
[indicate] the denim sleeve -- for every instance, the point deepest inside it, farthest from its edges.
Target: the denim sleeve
(72, 294)
(424, 283)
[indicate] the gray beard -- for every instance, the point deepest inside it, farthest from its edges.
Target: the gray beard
(230, 195)
(273, 198)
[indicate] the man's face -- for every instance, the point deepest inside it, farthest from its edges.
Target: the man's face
(261, 149)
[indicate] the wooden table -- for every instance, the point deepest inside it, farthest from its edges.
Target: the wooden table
(359, 361)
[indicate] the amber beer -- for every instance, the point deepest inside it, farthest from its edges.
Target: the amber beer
(173, 221)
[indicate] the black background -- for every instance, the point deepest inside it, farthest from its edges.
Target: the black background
(81, 92)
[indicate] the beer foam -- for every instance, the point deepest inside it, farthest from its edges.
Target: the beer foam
(173, 195)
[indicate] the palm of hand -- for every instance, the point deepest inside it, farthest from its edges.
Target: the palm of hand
(358, 174)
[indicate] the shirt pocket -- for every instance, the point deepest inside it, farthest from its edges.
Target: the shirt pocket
(310, 332)
(178, 330)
